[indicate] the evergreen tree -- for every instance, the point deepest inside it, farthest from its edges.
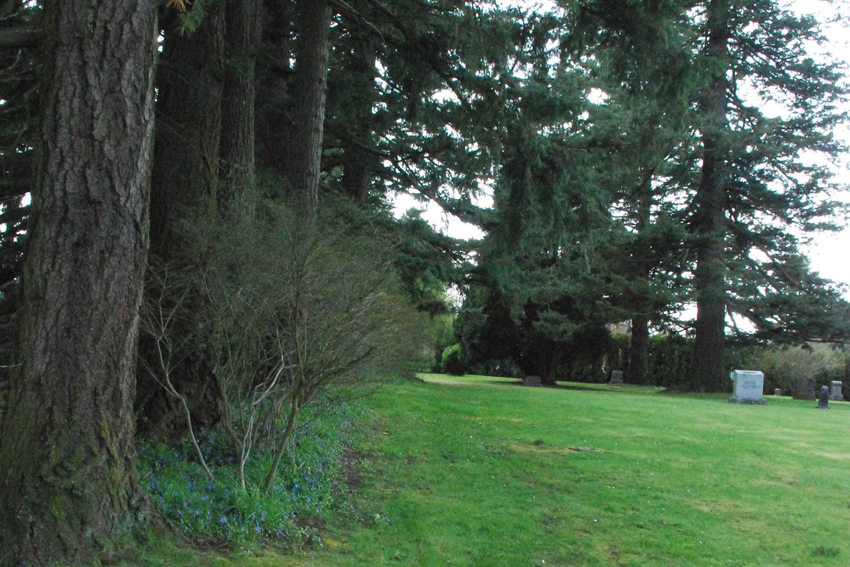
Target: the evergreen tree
(66, 437)
(756, 186)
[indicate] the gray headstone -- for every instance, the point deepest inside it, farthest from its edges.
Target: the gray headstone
(835, 393)
(823, 399)
(531, 380)
(616, 377)
(748, 387)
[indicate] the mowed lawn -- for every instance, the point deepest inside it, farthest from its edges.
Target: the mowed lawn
(480, 471)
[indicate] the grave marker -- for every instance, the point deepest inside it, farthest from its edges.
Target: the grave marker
(748, 387)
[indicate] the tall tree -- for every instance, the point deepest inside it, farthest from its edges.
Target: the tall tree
(303, 152)
(66, 443)
(709, 221)
(243, 19)
(756, 186)
(189, 81)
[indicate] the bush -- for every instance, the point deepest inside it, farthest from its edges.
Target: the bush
(792, 367)
(283, 310)
(452, 362)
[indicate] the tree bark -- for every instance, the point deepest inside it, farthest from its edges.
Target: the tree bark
(710, 276)
(243, 25)
(359, 159)
(66, 438)
(304, 150)
(639, 350)
(190, 78)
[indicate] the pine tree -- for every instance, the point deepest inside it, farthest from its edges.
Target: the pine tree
(66, 437)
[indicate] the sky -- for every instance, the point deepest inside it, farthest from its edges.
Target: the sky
(828, 253)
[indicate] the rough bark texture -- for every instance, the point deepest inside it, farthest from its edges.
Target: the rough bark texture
(359, 156)
(190, 79)
(304, 150)
(66, 439)
(237, 140)
(710, 276)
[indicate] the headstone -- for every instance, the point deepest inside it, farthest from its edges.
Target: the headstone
(531, 380)
(748, 387)
(823, 399)
(836, 395)
(616, 377)
(777, 392)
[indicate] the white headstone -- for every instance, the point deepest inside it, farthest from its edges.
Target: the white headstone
(835, 393)
(748, 387)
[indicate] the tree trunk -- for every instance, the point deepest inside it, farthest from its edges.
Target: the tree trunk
(237, 131)
(190, 78)
(304, 150)
(66, 438)
(709, 223)
(638, 350)
(359, 159)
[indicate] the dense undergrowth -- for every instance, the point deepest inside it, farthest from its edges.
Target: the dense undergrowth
(220, 513)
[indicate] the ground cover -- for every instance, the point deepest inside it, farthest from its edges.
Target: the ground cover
(481, 471)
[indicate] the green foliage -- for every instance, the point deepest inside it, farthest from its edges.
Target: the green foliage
(792, 367)
(221, 513)
(290, 309)
(452, 360)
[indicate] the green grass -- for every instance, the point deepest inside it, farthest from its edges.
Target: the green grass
(479, 471)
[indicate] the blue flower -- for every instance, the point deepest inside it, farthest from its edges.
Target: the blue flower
(223, 520)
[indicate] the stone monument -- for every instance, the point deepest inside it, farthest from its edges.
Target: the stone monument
(823, 399)
(616, 377)
(835, 393)
(748, 387)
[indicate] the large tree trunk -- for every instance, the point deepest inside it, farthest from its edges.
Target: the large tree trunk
(66, 439)
(190, 79)
(243, 25)
(709, 224)
(359, 156)
(304, 150)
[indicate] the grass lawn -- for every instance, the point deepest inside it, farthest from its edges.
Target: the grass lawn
(479, 471)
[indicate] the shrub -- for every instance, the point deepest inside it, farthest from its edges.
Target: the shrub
(283, 309)
(792, 367)
(452, 362)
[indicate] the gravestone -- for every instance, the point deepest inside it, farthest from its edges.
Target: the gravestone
(748, 387)
(616, 377)
(531, 380)
(835, 394)
(823, 399)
